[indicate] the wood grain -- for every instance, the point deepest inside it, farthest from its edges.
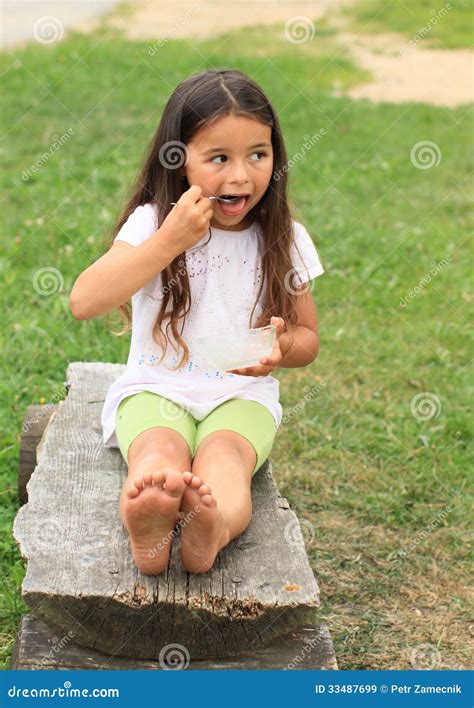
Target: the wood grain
(80, 574)
(38, 648)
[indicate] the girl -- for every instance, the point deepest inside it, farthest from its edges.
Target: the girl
(193, 436)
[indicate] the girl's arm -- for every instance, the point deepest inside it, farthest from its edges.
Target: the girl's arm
(299, 347)
(119, 273)
(124, 269)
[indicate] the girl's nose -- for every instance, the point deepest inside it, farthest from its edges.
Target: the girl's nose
(239, 174)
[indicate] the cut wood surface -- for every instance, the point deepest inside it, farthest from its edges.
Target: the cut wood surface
(39, 648)
(36, 421)
(80, 574)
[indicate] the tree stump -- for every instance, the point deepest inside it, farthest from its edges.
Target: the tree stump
(80, 574)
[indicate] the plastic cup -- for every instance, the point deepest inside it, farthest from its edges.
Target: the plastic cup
(237, 350)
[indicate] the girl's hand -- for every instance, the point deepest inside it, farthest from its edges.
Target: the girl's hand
(189, 220)
(271, 362)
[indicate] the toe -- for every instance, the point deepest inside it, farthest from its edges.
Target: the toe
(207, 499)
(147, 478)
(204, 489)
(174, 483)
(132, 491)
(158, 477)
(187, 476)
(196, 482)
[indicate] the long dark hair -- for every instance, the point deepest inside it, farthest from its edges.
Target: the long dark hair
(196, 102)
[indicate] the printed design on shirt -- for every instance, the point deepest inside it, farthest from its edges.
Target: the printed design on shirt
(150, 352)
(188, 368)
(193, 365)
(224, 309)
(198, 264)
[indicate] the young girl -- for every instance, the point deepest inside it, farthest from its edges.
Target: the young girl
(193, 436)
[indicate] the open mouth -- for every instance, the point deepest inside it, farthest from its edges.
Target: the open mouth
(232, 204)
(231, 197)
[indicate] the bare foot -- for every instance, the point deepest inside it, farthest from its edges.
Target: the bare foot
(205, 533)
(149, 509)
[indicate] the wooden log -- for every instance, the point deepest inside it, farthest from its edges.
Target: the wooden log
(38, 648)
(81, 576)
(34, 425)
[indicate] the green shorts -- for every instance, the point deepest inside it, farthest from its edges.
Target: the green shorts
(145, 410)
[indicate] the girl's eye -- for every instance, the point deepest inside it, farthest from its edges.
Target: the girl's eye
(259, 153)
(216, 157)
(220, 163)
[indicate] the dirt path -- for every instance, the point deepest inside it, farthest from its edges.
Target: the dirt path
(154, 19)
(442, 77)
(401, 72)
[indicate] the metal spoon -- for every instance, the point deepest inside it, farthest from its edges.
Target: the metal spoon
(227, 200)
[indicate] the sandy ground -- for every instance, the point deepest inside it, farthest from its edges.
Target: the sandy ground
(401, 73)
(154, 19)
(442, 77)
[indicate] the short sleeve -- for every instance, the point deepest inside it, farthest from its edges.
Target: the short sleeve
(306, 263)
(140, 225)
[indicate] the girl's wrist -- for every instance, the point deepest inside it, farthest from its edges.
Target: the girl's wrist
(163, 242)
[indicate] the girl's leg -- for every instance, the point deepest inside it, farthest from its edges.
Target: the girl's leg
(218, 490)
(152, 493)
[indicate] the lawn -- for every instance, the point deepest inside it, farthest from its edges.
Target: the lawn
(445, 25)
(375, 462)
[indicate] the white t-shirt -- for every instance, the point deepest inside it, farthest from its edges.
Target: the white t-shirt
(224, 276)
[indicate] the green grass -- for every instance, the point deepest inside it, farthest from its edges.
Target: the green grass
(364, 473)
(447, 25)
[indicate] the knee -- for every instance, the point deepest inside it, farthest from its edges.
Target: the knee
(155, 447)
(221, 444)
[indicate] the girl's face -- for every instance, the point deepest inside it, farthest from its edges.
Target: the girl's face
(232, 156)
